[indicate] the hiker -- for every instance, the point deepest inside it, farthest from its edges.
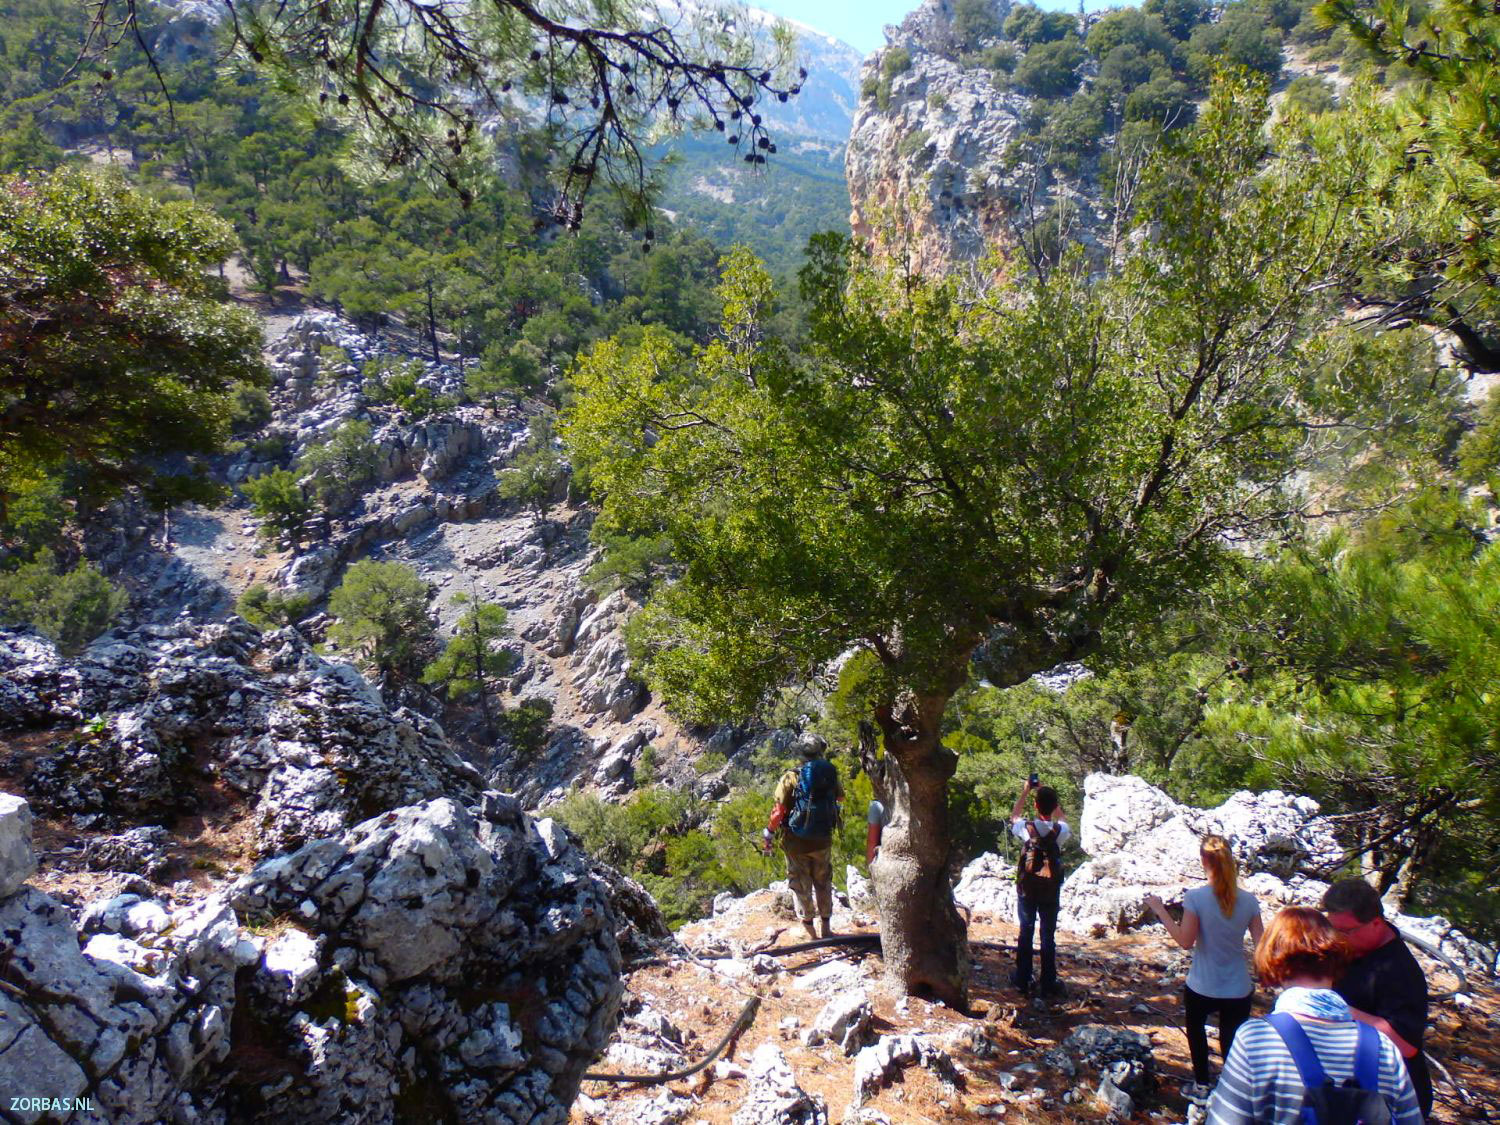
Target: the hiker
(1279, 1063)
(1214, 920)
(1383, 985)
(876, 818)
(806, 813)
(1039, 876)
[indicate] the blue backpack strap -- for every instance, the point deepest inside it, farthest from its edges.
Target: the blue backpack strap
(1367, 1058)
(1303, 1052)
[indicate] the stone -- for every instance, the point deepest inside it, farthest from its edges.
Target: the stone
(844, 1020)
(1119, 1104)
(139, 851)
(773, 1097)
(17, 859)
(987, 886)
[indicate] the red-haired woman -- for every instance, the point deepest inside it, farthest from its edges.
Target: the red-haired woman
(1309, 1039)
(1214, 920)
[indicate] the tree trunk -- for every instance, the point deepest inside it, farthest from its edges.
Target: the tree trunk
(432, 337)
(924, 940)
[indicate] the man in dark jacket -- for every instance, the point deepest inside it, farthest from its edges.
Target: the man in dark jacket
(1383, 985)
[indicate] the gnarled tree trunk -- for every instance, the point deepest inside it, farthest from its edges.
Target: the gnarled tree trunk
(925, 941)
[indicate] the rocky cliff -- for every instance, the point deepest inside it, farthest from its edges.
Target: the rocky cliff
(934, 145)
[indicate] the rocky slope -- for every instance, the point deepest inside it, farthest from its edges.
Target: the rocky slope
(435, 506)
(408, 945)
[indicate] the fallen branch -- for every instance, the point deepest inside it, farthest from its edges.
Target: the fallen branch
(741, 1025)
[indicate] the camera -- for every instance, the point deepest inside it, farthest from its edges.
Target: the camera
(1034, 780)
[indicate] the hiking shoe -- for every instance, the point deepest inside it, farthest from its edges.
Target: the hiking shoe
(1055, 991)
(1021, 986)
(827, 928)
(812, 931)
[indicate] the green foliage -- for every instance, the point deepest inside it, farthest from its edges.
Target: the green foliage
(265, 610)
(526, 726)
(121, 355)
(516, 368)
(35, 517)
(1433, 216)
(1050, 68)
(249, 409)
(633, 563)
(473, 654)
(975, 21)
(895, 61)
(280, 501)
(1179, 17)
(25, 148)
(1311, 93)
(1479, 453)
(343, 465)
(1241, 38)
(1028, 25)
(531, 479)
(1372, 682)
(382, 615)
(394, 382)
(1131, 27)
(70, 607)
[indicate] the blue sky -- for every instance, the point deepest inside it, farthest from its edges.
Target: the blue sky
(859, 22)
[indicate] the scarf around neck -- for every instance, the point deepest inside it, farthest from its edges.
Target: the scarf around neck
(1318, 1003)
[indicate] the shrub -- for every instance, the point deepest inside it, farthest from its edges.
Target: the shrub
(70, 607)
(249, 409)
(279, 500)
(266, 610)
(392, 382)
(976, 20)
(526, 726)
(1311, 94)
(382, 617)
(1050, 69)
(342, 465)
(1028, 25)
(1479, 452)
(35, 517)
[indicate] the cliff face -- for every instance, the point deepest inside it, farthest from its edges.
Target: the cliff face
(935, 144)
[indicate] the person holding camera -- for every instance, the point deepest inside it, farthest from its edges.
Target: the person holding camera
(1039, 878)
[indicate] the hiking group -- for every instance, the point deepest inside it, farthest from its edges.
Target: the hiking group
(1343, 1042)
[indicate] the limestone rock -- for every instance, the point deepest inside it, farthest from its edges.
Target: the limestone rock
(774, 1098)
(988, 886)
(17, 860)
(844, 1020)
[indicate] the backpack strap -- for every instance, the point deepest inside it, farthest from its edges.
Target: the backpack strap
(1301, 1048)
(1367, 1058)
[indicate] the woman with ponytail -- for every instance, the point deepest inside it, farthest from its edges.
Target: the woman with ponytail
(1214, 920)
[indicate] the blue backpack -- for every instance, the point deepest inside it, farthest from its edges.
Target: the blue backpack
(1358, 1101)
(815, 808)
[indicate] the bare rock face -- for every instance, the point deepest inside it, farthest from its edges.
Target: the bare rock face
(933, 140)
(307, 742)
(17, 860)
(435, 962)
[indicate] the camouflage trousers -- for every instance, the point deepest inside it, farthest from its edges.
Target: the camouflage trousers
(810, 873)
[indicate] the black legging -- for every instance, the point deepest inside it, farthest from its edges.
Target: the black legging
(1232, 1013)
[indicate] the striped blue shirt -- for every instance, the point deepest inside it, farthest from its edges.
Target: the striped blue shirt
(1260, 1084)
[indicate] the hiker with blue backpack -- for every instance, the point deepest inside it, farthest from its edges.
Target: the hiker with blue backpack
(806, 813)
(1310, 1062)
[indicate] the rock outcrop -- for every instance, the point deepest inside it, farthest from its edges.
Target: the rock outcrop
(434, 962)
(146, 716)
(1140, 842)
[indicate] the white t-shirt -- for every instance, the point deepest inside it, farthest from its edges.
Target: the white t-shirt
(1018, 829)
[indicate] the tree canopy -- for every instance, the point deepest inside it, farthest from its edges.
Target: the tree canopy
(1014, 477)
(118, 354)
